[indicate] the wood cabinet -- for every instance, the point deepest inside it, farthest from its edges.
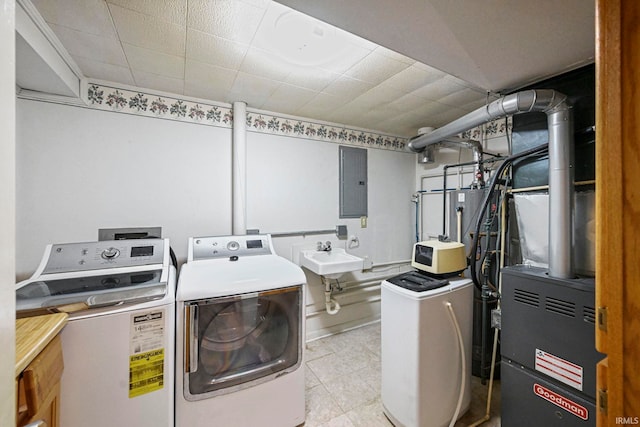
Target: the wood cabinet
(39, 366)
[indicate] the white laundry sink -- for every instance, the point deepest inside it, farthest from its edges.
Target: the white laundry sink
(330, 264)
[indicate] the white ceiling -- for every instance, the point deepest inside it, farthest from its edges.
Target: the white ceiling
(227, 50)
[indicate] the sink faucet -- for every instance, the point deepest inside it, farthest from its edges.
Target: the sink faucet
(326, 247)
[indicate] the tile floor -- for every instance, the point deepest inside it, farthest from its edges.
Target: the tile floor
(343, 383)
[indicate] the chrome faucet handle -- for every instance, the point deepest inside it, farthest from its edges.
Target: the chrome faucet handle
(319, 246)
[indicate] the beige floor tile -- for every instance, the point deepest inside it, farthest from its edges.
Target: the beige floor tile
(320, 407)
(310, 379)
(317, 349)
(341, 421)
(351, 391)
(369, 416)
(343, 383)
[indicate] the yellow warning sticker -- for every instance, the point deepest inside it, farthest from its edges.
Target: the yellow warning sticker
(146, 372)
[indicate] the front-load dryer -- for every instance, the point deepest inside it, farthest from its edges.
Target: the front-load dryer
(118, 344)
(239, 335)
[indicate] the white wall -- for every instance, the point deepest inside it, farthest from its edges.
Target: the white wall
(7, 214)
(292, 185)
(81, 169)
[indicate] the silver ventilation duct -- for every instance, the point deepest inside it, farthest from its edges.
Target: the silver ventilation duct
(560, 126)
(476, 147)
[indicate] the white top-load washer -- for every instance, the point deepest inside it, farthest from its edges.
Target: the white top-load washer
(239, 335)
(422, 375)
(119, 343)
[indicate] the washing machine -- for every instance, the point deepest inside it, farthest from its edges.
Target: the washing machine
(426, 331)
(119, 343)
(240, 335)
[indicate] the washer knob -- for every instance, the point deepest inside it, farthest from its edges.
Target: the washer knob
(110, 253)
(233, 245)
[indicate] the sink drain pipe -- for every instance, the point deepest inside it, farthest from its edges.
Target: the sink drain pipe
(332, 306)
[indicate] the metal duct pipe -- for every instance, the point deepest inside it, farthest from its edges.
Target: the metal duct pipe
(560, 126)
(476, 147)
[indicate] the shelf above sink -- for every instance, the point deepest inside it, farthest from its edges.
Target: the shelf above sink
(330, 264)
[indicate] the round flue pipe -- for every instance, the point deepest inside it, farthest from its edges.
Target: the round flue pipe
(560, 126)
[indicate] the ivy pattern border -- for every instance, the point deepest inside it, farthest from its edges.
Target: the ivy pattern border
(139, 103)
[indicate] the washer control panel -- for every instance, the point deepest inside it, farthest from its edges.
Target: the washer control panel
(231, 247)
(70, 257)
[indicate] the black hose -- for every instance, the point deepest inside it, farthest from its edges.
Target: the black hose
(487, 198)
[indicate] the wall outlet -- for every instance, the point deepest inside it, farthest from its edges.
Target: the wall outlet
(367, 264)
(363, 222)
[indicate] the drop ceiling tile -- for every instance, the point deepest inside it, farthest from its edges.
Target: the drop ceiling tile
(215, 50)
(463, 97)
(264, 64)
(347, 114)
(447, 116)
(310, 78)
(428, 109)
(288, 99)
(378, 96)
(372, 118)
(321, 106)
(406, 124)
(148, 32)
(153, 61)
(90, 46)
(208, 92)
(173, 11)
(407, 102)
(87, 16)
(439, 89)
(104, 71)
(375, 68)
(351, 55)
(208, 81)
(347, 88)
(148, 80)
(252, 89)
(233, 20)
(207, 74)
(413, 78)
(298, 40)
(394, 55)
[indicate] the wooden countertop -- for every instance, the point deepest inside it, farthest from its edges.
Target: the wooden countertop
(33, 334)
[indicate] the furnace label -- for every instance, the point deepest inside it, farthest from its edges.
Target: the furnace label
(561, 401)
(559, 369)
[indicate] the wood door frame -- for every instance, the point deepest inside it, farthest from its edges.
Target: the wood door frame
(618, 210)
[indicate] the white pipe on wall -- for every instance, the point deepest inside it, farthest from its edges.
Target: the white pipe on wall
(239, 169)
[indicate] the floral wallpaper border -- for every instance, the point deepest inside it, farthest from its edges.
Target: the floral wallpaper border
(493, 129)
(131, 102)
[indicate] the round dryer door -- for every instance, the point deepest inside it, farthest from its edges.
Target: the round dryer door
(242, 340)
